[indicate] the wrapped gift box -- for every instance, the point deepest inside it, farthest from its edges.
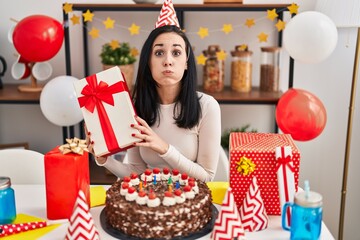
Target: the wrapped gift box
(108, 111)
(65, 175)
(259, 149)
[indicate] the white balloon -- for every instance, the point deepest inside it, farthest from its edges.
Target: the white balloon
(58, 101)
(310, 37)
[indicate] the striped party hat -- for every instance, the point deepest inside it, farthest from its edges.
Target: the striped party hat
(167, 15)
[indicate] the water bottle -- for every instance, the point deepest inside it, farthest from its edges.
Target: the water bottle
(7, 201)
(306, 216)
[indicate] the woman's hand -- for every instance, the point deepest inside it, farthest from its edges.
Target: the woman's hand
(149, 137)
(90, 147)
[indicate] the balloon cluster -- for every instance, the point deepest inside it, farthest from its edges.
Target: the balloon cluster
(309, 37)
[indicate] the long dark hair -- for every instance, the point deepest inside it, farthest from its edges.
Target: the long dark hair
(145, 96)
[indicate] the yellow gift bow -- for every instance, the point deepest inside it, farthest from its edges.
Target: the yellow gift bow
(245, 166)
(74, 145)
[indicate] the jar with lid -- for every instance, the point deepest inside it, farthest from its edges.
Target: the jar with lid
(213, 74)
(269, 69)
(7, 201)
(241, 70)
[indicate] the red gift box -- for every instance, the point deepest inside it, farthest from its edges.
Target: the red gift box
(65, 175)
(108, 111)
(259, 149)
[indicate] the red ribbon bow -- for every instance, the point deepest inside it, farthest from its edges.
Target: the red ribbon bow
(285, 161)
(94, 94)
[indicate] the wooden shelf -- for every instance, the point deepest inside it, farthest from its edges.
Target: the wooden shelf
(229, 96)
(10, 94)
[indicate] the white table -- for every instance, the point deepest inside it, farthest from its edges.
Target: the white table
(31, 200)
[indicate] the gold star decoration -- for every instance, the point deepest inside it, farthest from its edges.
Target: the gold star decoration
(201, 59)
(67, 7)
(94, 33)
(203, 32)
(134, 29)
(262, 37)
(293, 8)
(134, 51)
(114, 44)
(227, 28)
(280, 25)
(88, 16)
(271, 14)
(109, 23)
(243, 47)
(250, 22)
(221, 55)
(75, 19)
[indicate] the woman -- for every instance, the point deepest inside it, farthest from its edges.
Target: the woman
(180, 127)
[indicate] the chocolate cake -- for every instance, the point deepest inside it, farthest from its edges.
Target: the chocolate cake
(160, 205)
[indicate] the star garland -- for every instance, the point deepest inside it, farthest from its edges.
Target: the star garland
(203, 32)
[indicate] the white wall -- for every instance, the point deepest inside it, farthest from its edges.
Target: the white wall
(322, 158)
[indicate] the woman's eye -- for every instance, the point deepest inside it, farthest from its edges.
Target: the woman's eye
(176, 53)
(159, 53)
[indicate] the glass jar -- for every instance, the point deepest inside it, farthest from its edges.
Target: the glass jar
(241, 70)
(7, 201)
(213, 74)
(269, 69)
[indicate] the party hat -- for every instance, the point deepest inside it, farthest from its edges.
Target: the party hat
(167, 15)
(81, 222)
(228, 223)
(252, 212)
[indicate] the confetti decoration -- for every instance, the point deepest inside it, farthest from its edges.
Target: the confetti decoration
(134, 29)
(228, 222)
(75, 19)
(252, 212)
(203, 32)
(262, 37)
(82, 224)
(280, 25)
(201, 59)
(293, 8)
(250, 22)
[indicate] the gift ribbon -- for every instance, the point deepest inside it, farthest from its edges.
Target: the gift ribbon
(285, 161)
(245, 166)
(94, 94)
(74, 145)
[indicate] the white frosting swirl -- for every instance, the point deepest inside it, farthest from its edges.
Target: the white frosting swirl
(168, 201)
(123, 191)
(190, 195)
(131, 196)
(165, 177)
(141, 200)
(135, 181)
(149, 178)
(180, 199)
(183, 182)
(176, 177)
(153, 202)
(195, 189)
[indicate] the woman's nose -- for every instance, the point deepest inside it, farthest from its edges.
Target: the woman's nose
(168, 61)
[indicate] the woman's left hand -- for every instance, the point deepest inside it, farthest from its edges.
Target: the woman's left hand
(149, 137)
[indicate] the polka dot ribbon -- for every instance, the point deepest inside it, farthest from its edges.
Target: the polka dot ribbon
(9, 229)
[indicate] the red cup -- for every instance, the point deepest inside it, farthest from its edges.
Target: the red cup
(20, 70)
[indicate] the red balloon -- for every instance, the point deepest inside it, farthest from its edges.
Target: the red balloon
(300, 114)
(38, 38)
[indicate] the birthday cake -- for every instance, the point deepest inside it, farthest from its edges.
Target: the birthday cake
(158, 205)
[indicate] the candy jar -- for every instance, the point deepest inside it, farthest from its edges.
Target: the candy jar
(7, 201)
(269, 69)
(241, 70)
(213, 74)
